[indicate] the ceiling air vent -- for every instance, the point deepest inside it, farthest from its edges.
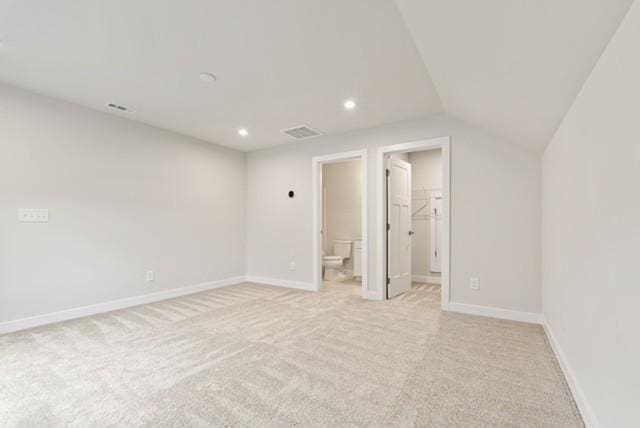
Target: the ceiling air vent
(120, 108)
(301, 132)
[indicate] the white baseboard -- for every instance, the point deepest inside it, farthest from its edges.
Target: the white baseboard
(83, 311)
(488, 311)
(426, 278)
(588, 415)
(299, 285)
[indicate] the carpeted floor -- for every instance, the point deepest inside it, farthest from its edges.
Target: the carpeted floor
(251, 355)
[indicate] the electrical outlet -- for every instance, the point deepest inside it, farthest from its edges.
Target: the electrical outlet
(33, 215)
(292, 265)
(474, 283)
(150, 276)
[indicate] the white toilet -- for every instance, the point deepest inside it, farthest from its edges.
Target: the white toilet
(334, 265)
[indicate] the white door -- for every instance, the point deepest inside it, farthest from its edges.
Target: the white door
(435, 233)
(398, 227)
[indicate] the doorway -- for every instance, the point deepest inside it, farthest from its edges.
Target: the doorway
(340, 253)
(413, 213)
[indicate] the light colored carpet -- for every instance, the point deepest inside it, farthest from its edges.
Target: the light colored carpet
(251, 355)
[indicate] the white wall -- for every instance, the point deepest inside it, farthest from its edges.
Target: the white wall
(342, 182)
(401, 156)
(426, 173)
(591, 234)
(123, 198)
(495, 205)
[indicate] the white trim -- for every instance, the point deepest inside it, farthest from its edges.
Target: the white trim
(444, 144)
(373, 295)
(426, 278)
(488, 311)
(316, 179)
(587, 413)
(84, 311)
(298, 285)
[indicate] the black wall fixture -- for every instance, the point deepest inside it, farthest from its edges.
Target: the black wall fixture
(291, 194)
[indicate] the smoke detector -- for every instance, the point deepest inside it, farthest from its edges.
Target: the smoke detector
(301, 132)
(208, 77)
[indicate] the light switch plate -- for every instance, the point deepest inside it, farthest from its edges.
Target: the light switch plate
(33, 215)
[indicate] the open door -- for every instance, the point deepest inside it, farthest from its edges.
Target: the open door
(398, 227)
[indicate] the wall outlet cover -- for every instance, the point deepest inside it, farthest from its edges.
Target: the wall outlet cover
(292, 265)
(474, 283)
(33, 215)
(149, 275)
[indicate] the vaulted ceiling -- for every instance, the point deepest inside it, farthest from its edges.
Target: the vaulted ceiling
(511, 67)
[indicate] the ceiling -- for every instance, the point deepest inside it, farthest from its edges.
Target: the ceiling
(279, 63)
(511, 67)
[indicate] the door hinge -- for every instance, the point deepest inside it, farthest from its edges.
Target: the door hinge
(388, 172)
(388, 226)
(436, 251)
(388, 280)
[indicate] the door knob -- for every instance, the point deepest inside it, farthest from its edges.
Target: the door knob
(411, 232)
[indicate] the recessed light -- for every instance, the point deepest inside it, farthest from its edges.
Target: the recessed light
(243, 132)
(349, 104)
(208, 77)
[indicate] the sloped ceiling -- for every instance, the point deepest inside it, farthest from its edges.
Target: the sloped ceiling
(279, 63)
(512, 67)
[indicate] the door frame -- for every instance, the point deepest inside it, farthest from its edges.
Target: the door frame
(443, 143)
(316, 169)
